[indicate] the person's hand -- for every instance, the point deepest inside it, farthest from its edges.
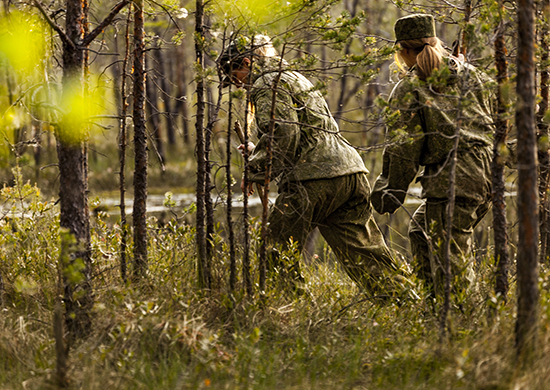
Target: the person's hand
(250, 148)
(250, 189)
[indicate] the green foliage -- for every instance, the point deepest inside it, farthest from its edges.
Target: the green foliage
(29, 240)
(165, 333)
(22, 42)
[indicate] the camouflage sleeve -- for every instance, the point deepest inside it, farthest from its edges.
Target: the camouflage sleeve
(401, 159)
(286, 134)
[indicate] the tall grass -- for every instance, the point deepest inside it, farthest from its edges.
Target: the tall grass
(167, 334)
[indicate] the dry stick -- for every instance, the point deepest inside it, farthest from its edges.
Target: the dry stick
(240, 133)
(228, 179)
(246, 255)
(269, 163)
(213, 113)
(60, 351)
(502, 256)
(450, 211)
(122, 154)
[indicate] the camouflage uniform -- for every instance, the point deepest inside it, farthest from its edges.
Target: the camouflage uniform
(428, 121)
(322, 179)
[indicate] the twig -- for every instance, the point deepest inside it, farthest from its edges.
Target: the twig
(88, 38)
(54, 25)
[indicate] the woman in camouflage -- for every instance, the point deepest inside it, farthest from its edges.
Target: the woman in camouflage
(438, 98)
(322, 180)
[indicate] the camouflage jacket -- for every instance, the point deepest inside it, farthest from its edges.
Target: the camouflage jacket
(421, 133)
(307, 144)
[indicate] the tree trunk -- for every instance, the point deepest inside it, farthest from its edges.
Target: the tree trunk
(152, 105)
(209, 206)
(165, 95)
(267, 181)
(542, 140)
(140, 146)
(73, 178)
(120, 76)
(202, 262)
(343, 80)
(229, 181)
(497, 167)
(181, 102)
(527, 261)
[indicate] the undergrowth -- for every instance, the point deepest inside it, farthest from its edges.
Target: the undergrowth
(165, 333)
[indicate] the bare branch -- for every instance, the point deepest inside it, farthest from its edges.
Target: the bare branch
(54, 25)
(106, 22)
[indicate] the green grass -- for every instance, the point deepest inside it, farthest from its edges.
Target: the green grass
(165, 333)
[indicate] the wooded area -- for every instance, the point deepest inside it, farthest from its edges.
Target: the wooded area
(130, 257)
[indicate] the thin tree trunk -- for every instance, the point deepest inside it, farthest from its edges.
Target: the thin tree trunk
(165, 95)
(209, 207)
(181, 102)
(122, 140)
(140, 146)
(267, 181)
(527, 261)
(153, 106)
(449, 227)
(202, 262)
(37, 152)
(542, 138)
(247, 279)
(229, 181)
(467, 14)
(343, 80)
(61, 351)
(497, 168)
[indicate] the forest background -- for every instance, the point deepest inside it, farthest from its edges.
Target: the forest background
(130, 258)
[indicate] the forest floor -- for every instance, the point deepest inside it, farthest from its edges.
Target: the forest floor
(165, 333)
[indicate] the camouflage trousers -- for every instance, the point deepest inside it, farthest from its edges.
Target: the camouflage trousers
(430, 220)
(340, 208)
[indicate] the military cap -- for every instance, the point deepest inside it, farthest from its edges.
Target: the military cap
(233, 54)
(414, 27)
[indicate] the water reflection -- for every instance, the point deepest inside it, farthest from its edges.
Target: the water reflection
(155, 203)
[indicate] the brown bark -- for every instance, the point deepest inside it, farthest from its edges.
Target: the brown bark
(202, 261)
(72, 156)
(140, 146)
(73, 177)
(497, 168)
(467, 14)
(527, 261)
(209, 206)
(542, 141)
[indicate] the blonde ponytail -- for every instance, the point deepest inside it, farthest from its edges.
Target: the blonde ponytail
(426, 53)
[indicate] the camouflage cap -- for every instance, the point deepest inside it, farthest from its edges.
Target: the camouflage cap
(414, 27)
